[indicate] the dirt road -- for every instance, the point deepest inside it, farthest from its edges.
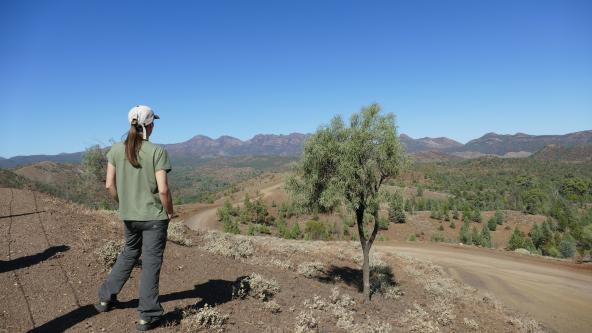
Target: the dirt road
(205, 219)
(557, 294)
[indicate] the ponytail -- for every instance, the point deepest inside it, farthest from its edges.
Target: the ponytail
(133, 143)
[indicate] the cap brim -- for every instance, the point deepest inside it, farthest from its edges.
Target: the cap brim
(156, 116)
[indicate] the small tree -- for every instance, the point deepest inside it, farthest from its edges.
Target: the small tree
(349, 164)
(396, 209)
(485, 237)
(516, 240)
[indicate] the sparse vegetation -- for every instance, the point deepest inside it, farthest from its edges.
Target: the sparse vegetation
(176, 233)
(206, 317)
(107, 254)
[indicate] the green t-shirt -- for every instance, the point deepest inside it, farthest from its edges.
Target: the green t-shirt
(136, 188)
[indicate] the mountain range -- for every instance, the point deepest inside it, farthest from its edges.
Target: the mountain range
(200, 147)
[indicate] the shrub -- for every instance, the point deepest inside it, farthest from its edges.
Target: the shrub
(499, 217)
(465, 236)
(107, 254)
(315, 230)
(257, 287)
(476, 216)
(348, 221)
(176, 233)
(452, 225)
(251, 230)
(235, 247)
(567, 247)
(314, 269)
(441, 227)
(230, 226)
(412, 238)
(383, 224)
(206, 317)
(516, 240)
(553, 252)
(475, 236)
(437, 237)
(492, 224)
(295, 232)
(485, 237)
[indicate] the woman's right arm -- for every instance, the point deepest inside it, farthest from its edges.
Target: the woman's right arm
(164, 192)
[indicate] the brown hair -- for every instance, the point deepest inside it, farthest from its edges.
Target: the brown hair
(133, 143)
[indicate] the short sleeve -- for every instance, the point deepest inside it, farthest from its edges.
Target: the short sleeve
(161, 160)
(110, 157)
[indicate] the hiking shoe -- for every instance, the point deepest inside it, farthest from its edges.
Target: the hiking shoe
(103, 306)
(146, 325)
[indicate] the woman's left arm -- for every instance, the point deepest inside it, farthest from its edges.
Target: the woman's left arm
(110, 183)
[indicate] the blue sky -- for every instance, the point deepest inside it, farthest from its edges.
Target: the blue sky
(70, 70)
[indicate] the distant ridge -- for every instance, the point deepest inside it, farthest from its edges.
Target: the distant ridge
(291, 145)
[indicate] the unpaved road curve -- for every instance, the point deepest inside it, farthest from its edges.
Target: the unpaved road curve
(206, 218)
(557, 294)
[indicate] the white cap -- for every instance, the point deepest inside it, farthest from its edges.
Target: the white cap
(141, 115)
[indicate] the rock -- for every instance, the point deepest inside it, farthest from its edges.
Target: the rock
(522, 251)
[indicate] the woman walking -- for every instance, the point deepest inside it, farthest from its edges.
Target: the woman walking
(137, 179)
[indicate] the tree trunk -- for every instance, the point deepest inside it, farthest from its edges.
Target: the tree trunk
(366, 272)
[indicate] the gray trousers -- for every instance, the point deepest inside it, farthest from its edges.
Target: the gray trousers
(146, 238)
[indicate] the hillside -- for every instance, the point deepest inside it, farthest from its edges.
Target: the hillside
(307, 286)
(498, 144)
(575, 154)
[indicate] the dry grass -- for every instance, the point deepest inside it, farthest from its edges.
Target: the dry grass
(315, 269)
(176, 233)
(204, 318)
(236, 247)
(257, 287)
(107, 254)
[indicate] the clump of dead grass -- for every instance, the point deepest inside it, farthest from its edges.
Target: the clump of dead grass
(176, 233)
(256, 286)
(205, 318)
(306, 323)
(236, 247)
(107, 254)
(314, 269)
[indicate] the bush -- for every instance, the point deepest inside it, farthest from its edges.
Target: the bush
(315, 230)
(206, 317)
(452, 225)
(257, 287)
(465, 236)
(383, 224)
(295, 233)
(492, 224)
(236, 247)
(314, 269)
(517, 240)
(567, 247)
(437, 237)
(107, 254)
(176, 233)
(412, 238)
(485, 237)
(553, 252)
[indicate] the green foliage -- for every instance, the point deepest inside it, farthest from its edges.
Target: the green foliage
(437, 237)
(396, 210)
(465, 235)
(295, 232)
(476, 216)
(412, 238)
(485, 237)
(383, 224)
(517, 240)
(475, 236)
(315, 230)
(251, 230)
(567, 247)
(452, 225)
(492, 224)
(230, 225)
(94, 163)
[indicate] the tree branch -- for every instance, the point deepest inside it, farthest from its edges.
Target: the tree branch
(374, 231)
